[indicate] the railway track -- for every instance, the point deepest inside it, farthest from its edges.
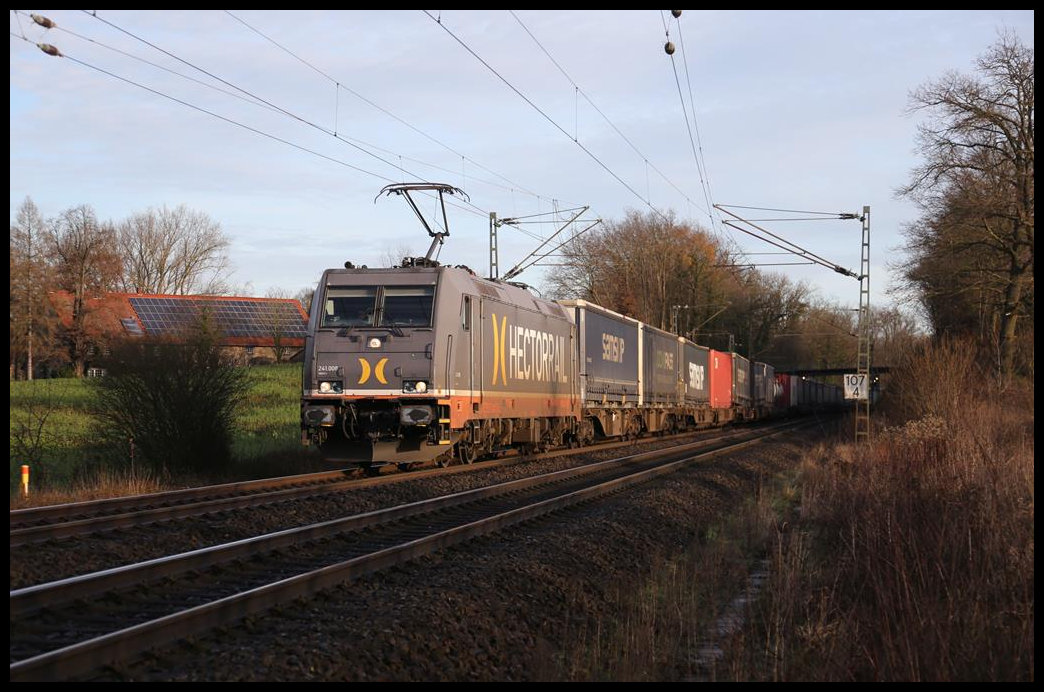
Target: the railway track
(65, 629)
(57, 522)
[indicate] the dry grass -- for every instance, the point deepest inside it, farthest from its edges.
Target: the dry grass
(914, 555)
(907, 559)
(103, 484)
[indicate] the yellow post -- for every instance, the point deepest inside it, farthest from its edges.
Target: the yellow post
(25, 480)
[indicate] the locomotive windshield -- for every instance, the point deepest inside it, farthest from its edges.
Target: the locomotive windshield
(378, 306)
(408, 306)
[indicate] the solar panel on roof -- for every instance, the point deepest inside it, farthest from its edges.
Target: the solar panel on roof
(131, 325)
(262, 319)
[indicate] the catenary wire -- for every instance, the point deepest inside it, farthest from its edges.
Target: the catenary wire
(462, 204)
(543, 114)
(513, 185)
(705, 180)
(599, 111)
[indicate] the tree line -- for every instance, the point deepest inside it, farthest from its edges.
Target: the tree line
(968, 268)
(676, 276)
(971, 249)
(161, 251)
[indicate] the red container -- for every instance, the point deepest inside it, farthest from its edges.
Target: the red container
(720, 379)
(784, 391)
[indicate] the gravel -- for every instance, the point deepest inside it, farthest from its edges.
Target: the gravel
(50, 561)
(500, 608)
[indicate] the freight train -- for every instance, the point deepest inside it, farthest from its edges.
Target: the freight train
(427, 364)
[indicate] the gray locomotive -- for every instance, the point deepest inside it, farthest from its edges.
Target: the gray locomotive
(417, 364)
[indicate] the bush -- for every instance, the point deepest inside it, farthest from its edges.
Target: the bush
(913, 554)
(936, 379)
(175, 400)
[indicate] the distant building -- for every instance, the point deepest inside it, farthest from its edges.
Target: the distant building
(254, 329)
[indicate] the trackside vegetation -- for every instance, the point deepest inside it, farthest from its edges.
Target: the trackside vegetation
(56, 429)
(173, 401)
(908, 558)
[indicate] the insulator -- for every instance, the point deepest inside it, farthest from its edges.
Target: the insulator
(49, 49)
(669, 48)
(676, 13)
(43, 21)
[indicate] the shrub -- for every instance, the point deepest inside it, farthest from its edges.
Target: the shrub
(175, 400)
(913, 558)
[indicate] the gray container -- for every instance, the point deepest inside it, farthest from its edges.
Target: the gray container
(741, 381)
(608, 352)
(696, 373)
(662, 381)
(764, 384)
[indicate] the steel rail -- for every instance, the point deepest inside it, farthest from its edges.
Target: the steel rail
(55, 522)
(82, 657)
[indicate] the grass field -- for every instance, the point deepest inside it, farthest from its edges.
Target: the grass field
(53, 430)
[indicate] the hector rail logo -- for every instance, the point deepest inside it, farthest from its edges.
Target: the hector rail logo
(529, 355)
(378, 371)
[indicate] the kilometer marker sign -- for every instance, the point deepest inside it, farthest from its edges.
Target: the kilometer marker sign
(856, 386)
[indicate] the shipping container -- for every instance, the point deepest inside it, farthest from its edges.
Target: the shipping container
(661, 366)
(764, 381)
(720, 379)
(608, 348)
(786, 391)
(764, 389)
(741, 381)
(695, 368)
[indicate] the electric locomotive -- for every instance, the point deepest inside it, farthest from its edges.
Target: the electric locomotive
(420, 363)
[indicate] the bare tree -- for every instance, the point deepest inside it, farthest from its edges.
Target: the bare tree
(674, 275)
(87, 264)
(177, 251)
(27, 282)
(274, 321)
(761, 306)
(304, 296)
(973, 246)
(393, 257)
(895, 333)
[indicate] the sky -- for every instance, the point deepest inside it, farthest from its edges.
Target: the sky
(284, 126)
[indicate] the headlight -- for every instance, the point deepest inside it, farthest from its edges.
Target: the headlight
(414, 386)
(330, 387)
